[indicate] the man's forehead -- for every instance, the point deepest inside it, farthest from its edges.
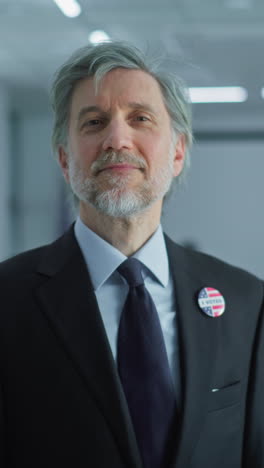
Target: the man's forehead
(136, 88)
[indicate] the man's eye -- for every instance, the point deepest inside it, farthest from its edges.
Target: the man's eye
(142, 118)
(91, 123)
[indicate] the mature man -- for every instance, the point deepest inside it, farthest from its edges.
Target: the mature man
(119, 348)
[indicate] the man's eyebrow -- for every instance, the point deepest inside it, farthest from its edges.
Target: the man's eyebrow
(141, 106)
(134, 105)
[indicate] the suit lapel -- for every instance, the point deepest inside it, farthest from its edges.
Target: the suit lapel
(198, 335)
(69, 302)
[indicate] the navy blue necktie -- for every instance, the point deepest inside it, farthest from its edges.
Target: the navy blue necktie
(144, 370)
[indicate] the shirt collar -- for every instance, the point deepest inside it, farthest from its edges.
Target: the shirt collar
(102, 259)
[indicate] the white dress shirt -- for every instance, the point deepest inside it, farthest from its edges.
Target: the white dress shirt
(102, 260)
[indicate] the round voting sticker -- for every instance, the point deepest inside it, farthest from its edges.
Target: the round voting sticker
(211, 302)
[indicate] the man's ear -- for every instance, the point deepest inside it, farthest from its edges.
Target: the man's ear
(179, 156)
(63, 161)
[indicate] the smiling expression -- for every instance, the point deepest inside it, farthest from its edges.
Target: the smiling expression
(120, 142)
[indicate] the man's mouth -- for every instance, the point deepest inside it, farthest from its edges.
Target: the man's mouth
(118, 167)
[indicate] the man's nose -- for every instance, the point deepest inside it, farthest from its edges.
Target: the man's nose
(117, 136)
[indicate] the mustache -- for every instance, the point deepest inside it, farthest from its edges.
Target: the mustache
(114, 157)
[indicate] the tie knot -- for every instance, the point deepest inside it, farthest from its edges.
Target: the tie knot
(130, 269)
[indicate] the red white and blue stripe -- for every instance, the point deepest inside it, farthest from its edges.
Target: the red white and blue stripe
(211, 302)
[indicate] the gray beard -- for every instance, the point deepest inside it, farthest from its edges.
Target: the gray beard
(118, 201)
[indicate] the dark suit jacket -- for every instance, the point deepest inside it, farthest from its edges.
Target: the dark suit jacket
(61, 403)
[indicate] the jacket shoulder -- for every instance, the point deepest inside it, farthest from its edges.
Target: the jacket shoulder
(208, 267)
(29, 261)
(23, 262)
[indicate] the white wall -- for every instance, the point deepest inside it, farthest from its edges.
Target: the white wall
(5, 249)
(221, 208)
(36, 183)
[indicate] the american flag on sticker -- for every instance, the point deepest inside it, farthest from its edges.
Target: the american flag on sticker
(211, 302)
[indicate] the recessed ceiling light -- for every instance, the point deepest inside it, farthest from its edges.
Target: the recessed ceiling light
(218, 94)
(98, 36)
(70, 8)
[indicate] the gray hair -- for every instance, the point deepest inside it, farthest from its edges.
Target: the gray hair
(97, 61)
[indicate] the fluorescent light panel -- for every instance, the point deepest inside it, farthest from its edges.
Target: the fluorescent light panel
(218, 94)
(262, 93)
(70, 8)
(98, 36)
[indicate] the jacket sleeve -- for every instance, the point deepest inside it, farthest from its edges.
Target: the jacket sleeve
(254, 427)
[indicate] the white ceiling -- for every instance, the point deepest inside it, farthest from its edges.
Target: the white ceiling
(211, 42)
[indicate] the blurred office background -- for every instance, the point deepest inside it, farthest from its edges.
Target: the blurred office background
(211, 43)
